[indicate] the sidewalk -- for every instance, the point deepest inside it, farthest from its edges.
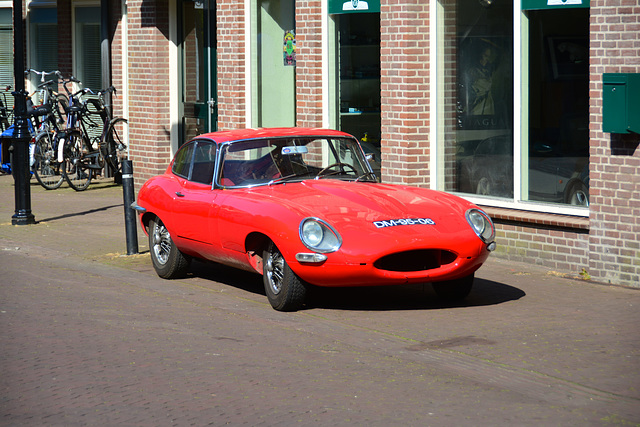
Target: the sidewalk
(92, 337)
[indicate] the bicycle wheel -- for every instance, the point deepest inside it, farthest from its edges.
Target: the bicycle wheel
(46, 167)
(75, 166)
(115, 147)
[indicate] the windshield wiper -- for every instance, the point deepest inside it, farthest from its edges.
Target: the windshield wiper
(371, 175)
(282, 178)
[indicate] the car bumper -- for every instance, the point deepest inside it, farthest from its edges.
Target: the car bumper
(343, 274)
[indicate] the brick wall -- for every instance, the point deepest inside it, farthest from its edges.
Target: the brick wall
(614, 237)
(148, 68)
(231, 69)
(555, 241)
(404, 85)
(309, 63)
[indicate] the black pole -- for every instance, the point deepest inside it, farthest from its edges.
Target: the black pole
(128, 195)
(105, 60)
(21, 135)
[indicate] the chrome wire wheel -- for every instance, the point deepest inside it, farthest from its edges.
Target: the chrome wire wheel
(161, 243)
(285, 290)
(274, 270)
(168, 261)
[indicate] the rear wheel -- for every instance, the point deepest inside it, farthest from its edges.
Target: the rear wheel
(454, 290)
(285, 290)
(167, 259)
(46, 167)
(75, 165)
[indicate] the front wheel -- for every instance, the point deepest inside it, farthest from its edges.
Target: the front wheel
(454, 290)
(45, 166)
(285, 290)
(167, 259)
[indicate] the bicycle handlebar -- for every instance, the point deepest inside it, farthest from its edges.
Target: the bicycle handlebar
(42, 74)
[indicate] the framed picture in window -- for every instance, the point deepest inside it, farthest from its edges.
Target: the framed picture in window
(485, 81)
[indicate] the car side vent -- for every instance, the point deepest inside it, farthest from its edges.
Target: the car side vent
(419, 260)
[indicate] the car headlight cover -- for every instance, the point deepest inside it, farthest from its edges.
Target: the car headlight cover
(481, 224)
(319, 236)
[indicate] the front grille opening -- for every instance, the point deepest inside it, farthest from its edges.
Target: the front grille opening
(419, 260)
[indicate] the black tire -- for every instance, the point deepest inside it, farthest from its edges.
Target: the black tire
(115, 147)
(75, 166)
(167, 259)
(285, 290)
(45, 166)
(454, 290)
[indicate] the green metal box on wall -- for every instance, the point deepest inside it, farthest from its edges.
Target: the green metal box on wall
(621, 102)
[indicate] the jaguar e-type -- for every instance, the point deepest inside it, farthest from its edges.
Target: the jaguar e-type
(303, 208)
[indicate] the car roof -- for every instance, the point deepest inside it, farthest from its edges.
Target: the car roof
(240, 134)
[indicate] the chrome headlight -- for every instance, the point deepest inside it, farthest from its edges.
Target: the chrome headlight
(481, 224)
(319, 236)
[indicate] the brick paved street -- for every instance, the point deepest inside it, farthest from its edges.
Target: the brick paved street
(91, 337)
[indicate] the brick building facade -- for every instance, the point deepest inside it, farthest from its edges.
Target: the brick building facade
(422, 130)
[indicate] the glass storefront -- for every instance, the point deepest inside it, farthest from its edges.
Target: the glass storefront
(479, 150)
(476, 93)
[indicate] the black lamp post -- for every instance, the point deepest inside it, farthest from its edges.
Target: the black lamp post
(21, 135)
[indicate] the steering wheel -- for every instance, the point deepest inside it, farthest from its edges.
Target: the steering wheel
(341, 165)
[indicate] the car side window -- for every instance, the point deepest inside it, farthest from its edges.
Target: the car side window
(182, 161)
(203, 162)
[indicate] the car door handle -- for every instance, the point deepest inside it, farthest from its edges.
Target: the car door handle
(179, 194)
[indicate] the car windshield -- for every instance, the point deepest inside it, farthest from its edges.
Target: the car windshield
(277, 160)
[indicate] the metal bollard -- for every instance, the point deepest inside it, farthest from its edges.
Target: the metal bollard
(129, 214)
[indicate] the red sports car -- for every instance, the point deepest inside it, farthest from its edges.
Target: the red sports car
(303, 208)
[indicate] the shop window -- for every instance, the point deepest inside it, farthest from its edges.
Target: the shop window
(556, 144)
(475, 129)
(273, 72)
(359, 76)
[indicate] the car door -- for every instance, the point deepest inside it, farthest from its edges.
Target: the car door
(196, 202)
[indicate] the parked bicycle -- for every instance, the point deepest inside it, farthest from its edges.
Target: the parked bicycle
(47, 117)
(81, 154)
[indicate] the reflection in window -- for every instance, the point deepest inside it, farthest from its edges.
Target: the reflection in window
(476, 97)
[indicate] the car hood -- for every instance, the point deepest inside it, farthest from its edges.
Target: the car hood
(361, 206)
